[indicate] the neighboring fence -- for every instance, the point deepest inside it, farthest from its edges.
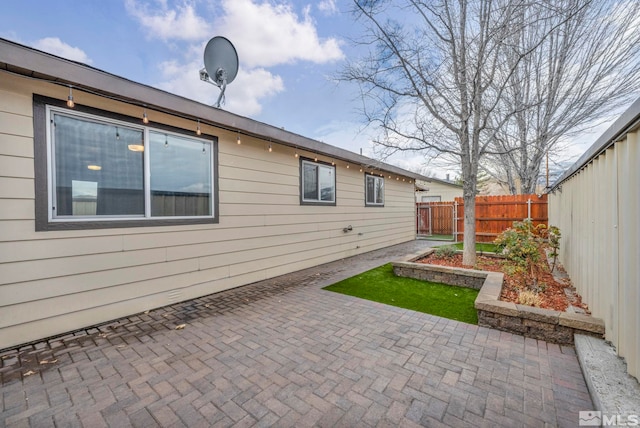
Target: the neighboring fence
(596, 205)
(494, 214)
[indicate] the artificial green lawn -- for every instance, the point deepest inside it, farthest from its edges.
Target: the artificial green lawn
(481, 247)
(381, 285)
(439, 237)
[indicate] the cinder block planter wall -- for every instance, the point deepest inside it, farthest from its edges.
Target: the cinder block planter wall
(545, 324)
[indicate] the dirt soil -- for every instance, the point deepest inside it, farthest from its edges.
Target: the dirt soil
(550, 289)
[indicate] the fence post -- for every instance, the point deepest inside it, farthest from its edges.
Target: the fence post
(529, 209)
(455, 221)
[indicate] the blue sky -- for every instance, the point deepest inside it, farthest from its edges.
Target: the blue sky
(289, 53)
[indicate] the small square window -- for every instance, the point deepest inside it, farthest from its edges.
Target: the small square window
(374, 191)
(318, 183)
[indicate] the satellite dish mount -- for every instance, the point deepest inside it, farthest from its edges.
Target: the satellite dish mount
(220, 65)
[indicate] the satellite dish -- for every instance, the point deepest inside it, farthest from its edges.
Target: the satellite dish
(220, 64)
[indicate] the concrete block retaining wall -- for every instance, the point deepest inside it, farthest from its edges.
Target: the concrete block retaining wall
(468, 278)
(544, 324)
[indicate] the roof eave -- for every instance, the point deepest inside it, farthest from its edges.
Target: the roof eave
(31, 62)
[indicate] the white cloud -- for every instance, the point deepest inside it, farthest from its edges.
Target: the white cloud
(160, 21)
(55, 46)
(249, 88)
(264, 34)
(268, 34)
(328, 7)
(242, 97)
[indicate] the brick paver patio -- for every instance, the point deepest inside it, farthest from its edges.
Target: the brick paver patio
(284, 352)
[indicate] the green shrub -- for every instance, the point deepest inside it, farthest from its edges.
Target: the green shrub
(523, 244)
(520, 244)
(553, 236)
(513, 269)
(446, 252)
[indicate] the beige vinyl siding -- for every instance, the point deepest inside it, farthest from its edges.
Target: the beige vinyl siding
(597, 211)
(446, 192)
(56, 281)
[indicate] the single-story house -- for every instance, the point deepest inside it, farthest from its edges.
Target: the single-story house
(117, 197)
(437, 190)
(596, 205)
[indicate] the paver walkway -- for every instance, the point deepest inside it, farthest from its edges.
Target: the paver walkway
(284, 352)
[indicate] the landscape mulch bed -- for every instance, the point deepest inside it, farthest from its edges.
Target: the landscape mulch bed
(552, 293)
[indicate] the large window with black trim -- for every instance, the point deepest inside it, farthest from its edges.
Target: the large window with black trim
(103, 171)
(374, 191)
(318, 183)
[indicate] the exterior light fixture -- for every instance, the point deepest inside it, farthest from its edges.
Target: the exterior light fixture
(270, 148)
(70, 102)
(198, 131)
(145, 119)
(238, 140)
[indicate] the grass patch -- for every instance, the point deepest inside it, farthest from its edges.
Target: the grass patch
(438, 237)
(481, 247)
(381, 285)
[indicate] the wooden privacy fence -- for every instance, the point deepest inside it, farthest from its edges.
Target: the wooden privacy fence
(494, 214)
(435, 218)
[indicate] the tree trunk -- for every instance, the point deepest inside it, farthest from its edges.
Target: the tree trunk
(469, 249)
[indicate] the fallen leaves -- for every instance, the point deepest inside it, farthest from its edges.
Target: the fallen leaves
(552, 294)
(180, 327)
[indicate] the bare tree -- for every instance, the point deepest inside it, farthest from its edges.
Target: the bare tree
(586, 66)
(434, 82)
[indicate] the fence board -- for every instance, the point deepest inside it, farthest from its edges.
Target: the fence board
(494, 214)
(435, 218)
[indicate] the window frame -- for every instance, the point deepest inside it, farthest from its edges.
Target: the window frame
(317, 202)
(43, 110)
(366, 189)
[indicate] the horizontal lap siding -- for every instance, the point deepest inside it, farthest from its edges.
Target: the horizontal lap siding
(597, 211)
(52, 282)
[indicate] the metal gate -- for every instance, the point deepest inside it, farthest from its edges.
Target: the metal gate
(436, 220)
